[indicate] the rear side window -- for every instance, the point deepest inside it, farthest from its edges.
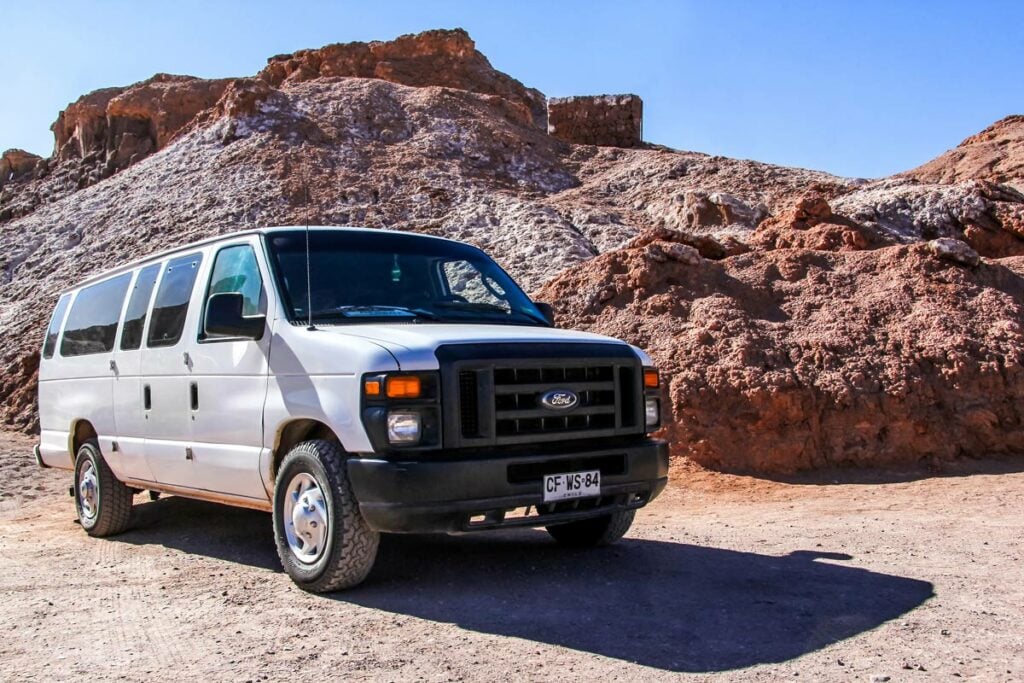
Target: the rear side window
(92, 322)
(235, 270)
(138, 304)
(171, 305)
(53, 331)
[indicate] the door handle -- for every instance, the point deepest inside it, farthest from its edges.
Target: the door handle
(147, 397)
(193, 393)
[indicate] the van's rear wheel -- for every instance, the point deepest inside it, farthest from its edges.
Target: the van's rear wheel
(322, 540)
(587, 533)
(104, 504)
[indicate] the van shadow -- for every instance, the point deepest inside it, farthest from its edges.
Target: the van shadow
(673, 606)
(200, 528)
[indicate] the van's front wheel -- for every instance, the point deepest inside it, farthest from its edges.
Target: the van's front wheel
(323, 541)
(104, 504)
(598, 531)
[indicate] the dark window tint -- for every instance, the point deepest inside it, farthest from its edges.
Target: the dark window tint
(171, 305)
(138, 304)
(50, 344)
(92, 322)
(235, 270)
(357, 276)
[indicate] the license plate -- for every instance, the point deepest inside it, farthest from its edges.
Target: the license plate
(571, 485)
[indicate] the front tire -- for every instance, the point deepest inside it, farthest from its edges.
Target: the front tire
(598, 531)
(323, 541)
(104, 504)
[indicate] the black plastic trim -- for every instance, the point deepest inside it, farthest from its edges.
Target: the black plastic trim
(441, 496)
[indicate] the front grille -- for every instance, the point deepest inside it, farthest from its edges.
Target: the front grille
(517, 393)
(495, 399)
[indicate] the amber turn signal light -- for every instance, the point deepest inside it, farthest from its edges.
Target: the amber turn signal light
(371, 387)
(651, 378)
(404, 387)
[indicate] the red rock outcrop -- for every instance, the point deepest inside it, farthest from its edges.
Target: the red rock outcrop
(446, 58)
(607, 120)
(995, 154)
(17, 164)
(119, 126)
(794, 359)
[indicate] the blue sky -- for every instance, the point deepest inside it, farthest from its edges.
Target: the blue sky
(855, 88)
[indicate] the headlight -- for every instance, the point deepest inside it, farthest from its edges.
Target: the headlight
(652, 412)
(404, 427)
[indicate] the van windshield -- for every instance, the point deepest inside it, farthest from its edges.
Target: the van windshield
(360, 276)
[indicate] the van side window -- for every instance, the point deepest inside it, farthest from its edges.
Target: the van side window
(92, 322)
(50, 344)
(138, 304)
(171, 305)
(235, 270)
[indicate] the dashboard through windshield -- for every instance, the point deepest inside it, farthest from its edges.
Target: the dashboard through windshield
(363, 276)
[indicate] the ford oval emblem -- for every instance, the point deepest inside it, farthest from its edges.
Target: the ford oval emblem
(559, 399)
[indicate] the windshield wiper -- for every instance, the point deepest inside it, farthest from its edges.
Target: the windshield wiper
(488, 308)
(351, 312)
(472, 306)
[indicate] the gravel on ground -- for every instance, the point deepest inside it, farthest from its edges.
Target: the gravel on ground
(839, 575)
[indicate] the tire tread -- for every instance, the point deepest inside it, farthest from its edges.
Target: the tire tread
(354, 544)
(115, 498)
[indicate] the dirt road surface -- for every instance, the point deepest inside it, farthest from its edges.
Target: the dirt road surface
(723, 577)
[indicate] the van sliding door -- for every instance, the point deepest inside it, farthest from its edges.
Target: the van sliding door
(165, 376)
(129, 413)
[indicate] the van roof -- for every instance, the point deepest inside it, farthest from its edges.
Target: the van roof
(131, 265)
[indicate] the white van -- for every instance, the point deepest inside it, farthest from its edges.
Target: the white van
(351, 382)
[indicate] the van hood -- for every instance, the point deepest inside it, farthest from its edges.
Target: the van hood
(413, 345)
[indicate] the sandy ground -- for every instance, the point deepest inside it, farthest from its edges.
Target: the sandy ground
(834, 577)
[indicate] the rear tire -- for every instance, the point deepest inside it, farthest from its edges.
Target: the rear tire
(598, 531)
(323, 541)
(103, 503)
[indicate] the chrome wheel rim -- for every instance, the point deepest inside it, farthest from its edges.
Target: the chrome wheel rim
(88, 492)
(306, 522)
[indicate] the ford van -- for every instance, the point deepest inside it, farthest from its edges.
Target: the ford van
(350, 382)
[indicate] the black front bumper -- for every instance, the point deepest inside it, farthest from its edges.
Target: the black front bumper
(475, 494)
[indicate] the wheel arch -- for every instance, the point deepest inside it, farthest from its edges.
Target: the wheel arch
(295, 431)
(81, 431)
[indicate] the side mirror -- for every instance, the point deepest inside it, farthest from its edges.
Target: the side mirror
(224, 318)
(546, 311)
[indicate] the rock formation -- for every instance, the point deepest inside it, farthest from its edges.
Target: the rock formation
(801, 319)
(442, 58)
(607, 120)
(17, 164)
(995, 154)
(792, 359)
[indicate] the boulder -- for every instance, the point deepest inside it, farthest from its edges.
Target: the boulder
(949, 249)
